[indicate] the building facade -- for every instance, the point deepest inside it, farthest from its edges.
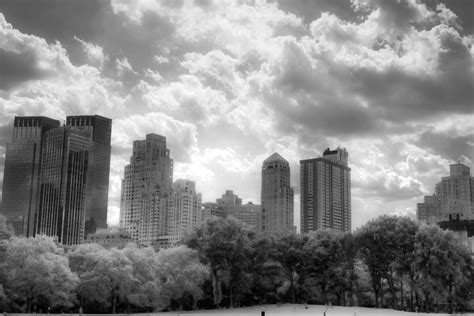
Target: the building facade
(184, 211)
(109, 238)
(50, 179)
(429, 211)
(63, 181)
(147, 180)
(22, 172)
(249, 214)
(229, 198)
(456, 193)
(452, 205)
(326, 192)
(277, 196)
(453, 198)
(99, 131)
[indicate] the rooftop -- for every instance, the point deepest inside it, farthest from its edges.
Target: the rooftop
(275, 157)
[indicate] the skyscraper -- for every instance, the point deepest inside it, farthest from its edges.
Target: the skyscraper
(22, 172)
(57, 177)
(452, 205)
(149, 176)
(276, 195)
(99, 130)
(456, 193)
(63, 183)
(184, 213)
(326, 192)
(453, 198)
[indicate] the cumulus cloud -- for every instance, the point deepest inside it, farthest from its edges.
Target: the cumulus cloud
(181, 136)
(230, 82)
(94, 53)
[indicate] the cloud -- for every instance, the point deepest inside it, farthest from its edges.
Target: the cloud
(181, 136)
(230, 82)
(447, 144)
(20, 58)
(94, 53)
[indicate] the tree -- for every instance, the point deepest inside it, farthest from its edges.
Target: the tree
(288, 252)
(6, 230)
(182, 274)
(147, 292)
(225, 245)
(443, 269)
(266, 276)
(383, 244)
(405, 240)
(106, 276)
(325, 267)
(37, 273)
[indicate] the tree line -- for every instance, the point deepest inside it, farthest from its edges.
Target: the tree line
(389, 262)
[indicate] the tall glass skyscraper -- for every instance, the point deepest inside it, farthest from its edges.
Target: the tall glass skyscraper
(56, 178)
(326, 192)
(99, 130)
(22, 172)
(63, 182)
(276, 196)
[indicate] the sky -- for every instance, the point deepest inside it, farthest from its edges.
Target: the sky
(229, 82)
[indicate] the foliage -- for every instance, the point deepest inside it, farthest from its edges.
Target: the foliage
(181, 273)
(383, 245)
(225, 245)
(106, 276)
(37, 274)
(325, 271)
(6, 230)
(435, 248)
(390, 261)
(288, 251)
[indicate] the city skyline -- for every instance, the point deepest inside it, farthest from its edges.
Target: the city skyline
(228, 83)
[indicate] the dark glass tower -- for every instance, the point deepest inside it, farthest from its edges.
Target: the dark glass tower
(63, 185)
(99, 130)
(56, 178)
(22, 170)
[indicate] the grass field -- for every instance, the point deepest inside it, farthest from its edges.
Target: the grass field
(288, 309)
(274, 310)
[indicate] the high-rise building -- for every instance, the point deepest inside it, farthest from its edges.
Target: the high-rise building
(453, 198)
(185, 212)
(276, 195)
(452, 205)
(326, 192)
(456, 193)
(22, 172)
(56, 178)
(429, 211)
(99, 130)
(63, 183)
(147, 180)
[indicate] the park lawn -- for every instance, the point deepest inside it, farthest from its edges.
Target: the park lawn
(314, 310)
